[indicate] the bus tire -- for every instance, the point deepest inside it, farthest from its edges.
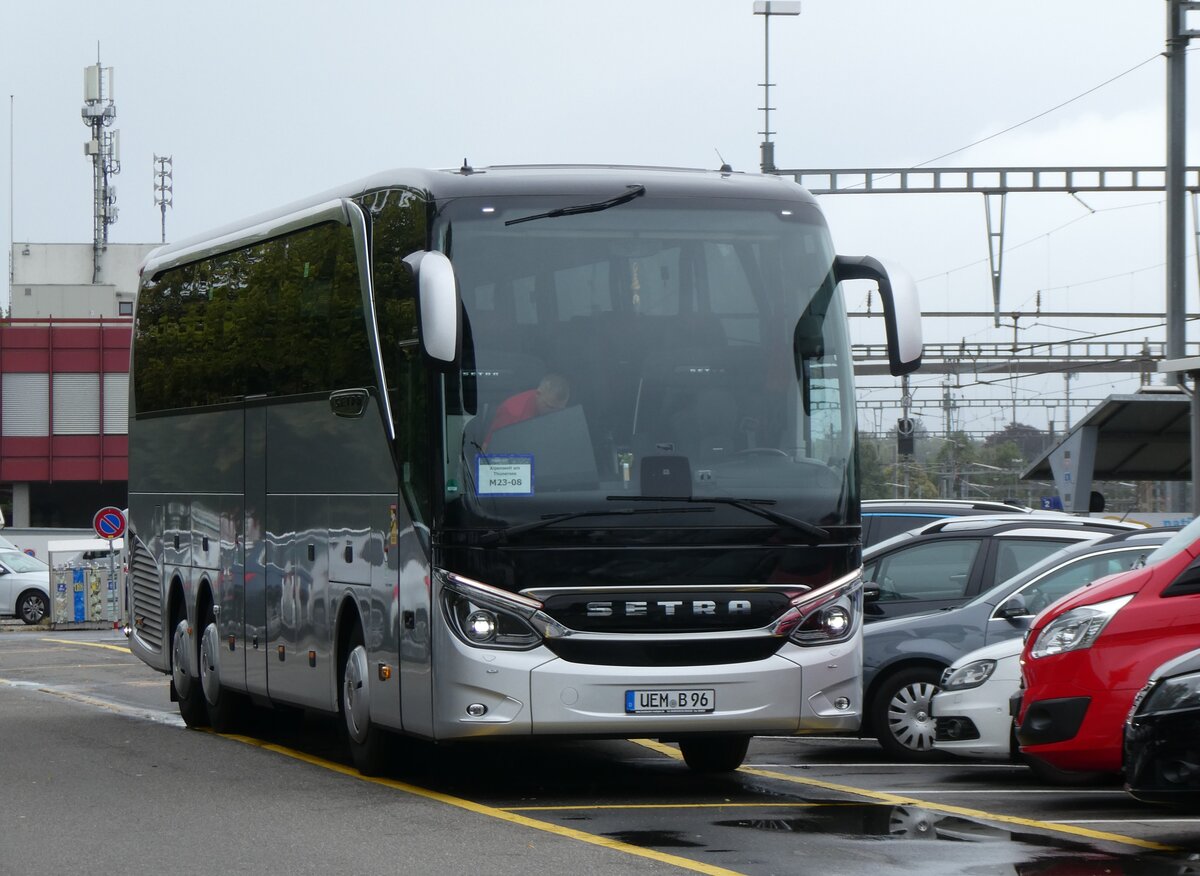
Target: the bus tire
(224, 706)
(368, 743)
(714, 754)
(192, 707)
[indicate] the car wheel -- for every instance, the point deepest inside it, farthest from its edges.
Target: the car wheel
(224, 706)
(714, 754)
(368, 742)
(32, 607)
(901, 712)
(192, 707)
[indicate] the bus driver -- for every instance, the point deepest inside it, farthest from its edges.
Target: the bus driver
(551, 395)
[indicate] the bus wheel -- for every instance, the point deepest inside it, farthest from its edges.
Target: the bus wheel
(367, 742)
(223, 704)
(190, 697)
(714, 754)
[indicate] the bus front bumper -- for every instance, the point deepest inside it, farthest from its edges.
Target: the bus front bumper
(796, 691)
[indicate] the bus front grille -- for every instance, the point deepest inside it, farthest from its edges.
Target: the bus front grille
(711, 652)
(146, 596)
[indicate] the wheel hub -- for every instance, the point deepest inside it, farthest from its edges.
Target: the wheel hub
(181, 664)
(210, 675)
(356, 699)
(909, 716)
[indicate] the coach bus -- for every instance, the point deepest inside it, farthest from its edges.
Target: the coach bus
(508, 452)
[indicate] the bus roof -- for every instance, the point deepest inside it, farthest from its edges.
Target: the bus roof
(547, 179)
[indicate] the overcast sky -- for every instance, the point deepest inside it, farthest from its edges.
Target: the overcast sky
(261, 103)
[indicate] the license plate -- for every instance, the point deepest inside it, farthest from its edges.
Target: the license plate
(669, 702)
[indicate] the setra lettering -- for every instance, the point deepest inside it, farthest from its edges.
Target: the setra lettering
(669, 608)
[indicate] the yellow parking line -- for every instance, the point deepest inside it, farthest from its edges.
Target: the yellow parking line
(620, 806)
(124, 649)
(898, 800)
(491, 811)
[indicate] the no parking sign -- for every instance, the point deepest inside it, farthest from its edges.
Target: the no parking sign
(109, 523)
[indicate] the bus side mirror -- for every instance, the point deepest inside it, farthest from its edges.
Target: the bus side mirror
(901, 307)
(437, 296)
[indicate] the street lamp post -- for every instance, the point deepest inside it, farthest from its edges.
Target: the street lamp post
(767, 8)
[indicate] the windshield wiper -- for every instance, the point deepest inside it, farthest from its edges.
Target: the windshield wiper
(634, 192)
(521, 528)
(754, 506)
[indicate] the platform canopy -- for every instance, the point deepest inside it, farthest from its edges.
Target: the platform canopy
(1141, 437)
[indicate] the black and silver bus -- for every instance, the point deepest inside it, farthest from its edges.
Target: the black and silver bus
(513, 451)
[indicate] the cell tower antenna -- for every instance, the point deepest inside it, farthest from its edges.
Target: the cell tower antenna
(164, 192)
(104, 148)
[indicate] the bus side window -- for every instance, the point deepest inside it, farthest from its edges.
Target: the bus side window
(398, 229)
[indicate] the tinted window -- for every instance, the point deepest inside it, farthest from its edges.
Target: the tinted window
(884, 526)
(283, 317)
(934, 570)
(708, 331)
(398, 229)
(1187, 583)
(1015, 555)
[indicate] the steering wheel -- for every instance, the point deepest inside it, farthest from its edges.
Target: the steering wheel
(764, 451)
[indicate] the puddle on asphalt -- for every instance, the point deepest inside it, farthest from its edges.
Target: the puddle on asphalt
(873, 820)
(1048, 855)
(654, 839)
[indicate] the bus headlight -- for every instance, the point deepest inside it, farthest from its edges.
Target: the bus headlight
(487, 617)
(481, 626)
(826, 616)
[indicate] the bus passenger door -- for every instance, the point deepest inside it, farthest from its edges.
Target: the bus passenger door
(413, 605)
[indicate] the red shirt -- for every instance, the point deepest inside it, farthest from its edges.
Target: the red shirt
(516, 409)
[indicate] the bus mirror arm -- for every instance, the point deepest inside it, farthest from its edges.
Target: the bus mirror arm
(438, 306)
(901, 307)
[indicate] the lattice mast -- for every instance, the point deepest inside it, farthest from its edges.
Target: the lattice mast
(104, 148)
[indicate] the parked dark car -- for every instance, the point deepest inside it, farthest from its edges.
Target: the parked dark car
(1162, 735)
(948, 562)
(904, 658)
(885, 518)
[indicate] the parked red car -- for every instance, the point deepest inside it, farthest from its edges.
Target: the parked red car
(1087, 655)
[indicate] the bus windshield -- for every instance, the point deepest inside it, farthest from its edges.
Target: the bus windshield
(642, 349)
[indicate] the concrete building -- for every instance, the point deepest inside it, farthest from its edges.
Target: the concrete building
(64, 381)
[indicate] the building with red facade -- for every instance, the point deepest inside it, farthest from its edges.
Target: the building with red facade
(64, 382)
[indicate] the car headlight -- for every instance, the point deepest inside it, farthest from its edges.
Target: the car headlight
(1077, 629)
(1170, 694)
(487, 617)
(825, 616)
(970, 675)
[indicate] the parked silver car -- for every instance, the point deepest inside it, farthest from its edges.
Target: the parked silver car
(24, 586)
(904, 657)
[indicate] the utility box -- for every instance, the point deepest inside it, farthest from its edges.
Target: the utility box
(84, 576)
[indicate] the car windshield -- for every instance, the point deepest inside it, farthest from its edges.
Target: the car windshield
(658, 348)
(1180, 540)
(19, 562)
